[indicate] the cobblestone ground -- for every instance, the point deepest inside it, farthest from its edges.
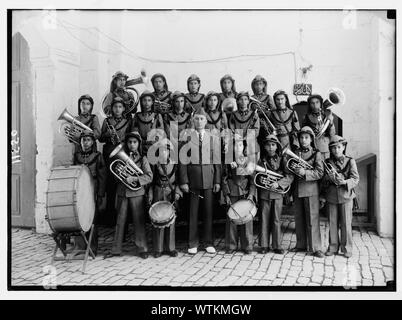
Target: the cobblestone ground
(371, 264)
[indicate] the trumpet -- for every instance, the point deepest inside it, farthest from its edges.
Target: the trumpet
(162, 107)
(265, 178)
(114, 137)
(295, 162)
(71, 127)
(124, 167)
(329, 168)
(259, 104)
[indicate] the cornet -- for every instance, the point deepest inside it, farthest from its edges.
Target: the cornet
(124, 167)
(295, 162)
(72, 128)
(329, 168)
(265, 178)
(259, 104)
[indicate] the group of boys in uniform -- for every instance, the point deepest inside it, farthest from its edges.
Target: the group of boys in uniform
(196, 184)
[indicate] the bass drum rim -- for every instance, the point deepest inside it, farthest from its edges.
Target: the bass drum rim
(53, 213)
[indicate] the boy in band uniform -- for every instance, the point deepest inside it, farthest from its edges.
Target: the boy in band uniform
(202, 179)
(111, 138)
(259, 86)
(161, 92)
(245, 119)
(164, 188)
(85, 116)
(237, 183)
(307, 192)
(271, 202)
(147, 121)
(285, 120)
(133, 201)
(194, 99)
(338, 192)
(118, 89)
(315, 118)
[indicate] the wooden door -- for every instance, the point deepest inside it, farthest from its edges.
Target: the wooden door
(22, 136)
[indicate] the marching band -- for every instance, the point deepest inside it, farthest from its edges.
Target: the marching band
(287, 162)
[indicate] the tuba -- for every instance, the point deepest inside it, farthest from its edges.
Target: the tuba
(336, 97)
(142, 78)
(123, 167)
(265, 178)
(71, 127)
(295, 162)
(258, 105)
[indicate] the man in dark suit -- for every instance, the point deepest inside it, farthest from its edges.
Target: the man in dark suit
(201, 177)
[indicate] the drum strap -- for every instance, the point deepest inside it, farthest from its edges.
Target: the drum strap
(164, 169)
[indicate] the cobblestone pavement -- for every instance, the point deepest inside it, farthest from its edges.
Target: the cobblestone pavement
(371, 264)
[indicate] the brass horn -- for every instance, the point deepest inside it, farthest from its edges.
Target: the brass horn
(336, 97)
(71, 127)
(259, 104)
(142, 78)
(265, 178)
(123, 167)
(295, 162)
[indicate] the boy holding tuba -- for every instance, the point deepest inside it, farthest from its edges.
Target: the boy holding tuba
(271, 197)
(309, 169)
(133, 201)
(118, 89)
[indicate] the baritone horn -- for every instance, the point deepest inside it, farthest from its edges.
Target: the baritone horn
(123, 167)
(336, 97)
(71, 127)
(295, 161)
(265, 178)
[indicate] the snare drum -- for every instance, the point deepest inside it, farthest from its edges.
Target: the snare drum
(70, 199)
(162, 214)
(242, 211)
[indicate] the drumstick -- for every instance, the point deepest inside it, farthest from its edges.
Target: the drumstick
(196, 194)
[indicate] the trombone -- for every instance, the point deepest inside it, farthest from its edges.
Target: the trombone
(259, 104)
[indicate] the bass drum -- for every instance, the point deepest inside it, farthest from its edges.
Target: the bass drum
(70, 199)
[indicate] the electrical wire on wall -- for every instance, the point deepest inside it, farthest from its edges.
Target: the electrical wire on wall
(68, 27)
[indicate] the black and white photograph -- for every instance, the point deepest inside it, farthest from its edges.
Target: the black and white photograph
(201, 149)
